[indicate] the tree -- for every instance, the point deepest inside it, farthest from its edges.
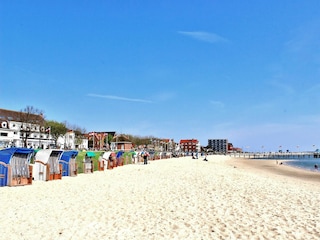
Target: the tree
(110, 137)
(138, 140)
(56, 129)
(79, 135)
(32, 119)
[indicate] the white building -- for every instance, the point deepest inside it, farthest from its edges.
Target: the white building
(68, 141)
(32, 134)
(15, 132)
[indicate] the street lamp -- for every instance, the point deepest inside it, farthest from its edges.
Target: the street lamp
(298, 151)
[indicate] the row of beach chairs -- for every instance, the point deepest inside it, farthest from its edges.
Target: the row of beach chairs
(49, 164)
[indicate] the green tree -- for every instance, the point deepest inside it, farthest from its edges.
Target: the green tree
(57, 129)
(110, 137)
(79, 135)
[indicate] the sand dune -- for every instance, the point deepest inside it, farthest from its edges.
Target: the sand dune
(167, 199)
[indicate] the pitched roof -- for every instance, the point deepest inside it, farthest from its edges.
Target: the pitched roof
(189, 140)
(19, 116)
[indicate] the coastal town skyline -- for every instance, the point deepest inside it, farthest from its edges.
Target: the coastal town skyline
(212, 70)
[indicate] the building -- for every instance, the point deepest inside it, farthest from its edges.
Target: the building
(162, 145)
(21, 129)
(68, 140)
(190, 145)
(166, 145)
(99, 140)
(218, 145)
(121, 142)
(71, 141)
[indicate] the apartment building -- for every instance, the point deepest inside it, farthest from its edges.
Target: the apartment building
(218, 145)
(190, 145)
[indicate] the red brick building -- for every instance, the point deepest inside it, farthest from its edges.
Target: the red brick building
(121, 142)
(189, 145)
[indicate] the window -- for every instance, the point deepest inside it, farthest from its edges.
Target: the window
(4, 134)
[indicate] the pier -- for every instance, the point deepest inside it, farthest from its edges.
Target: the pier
(276, 155)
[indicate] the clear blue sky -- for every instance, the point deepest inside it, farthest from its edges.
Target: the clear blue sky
(247, 71)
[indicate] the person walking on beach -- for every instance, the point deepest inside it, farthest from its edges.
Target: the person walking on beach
(145, 158)
(135, 157)
(205, 158)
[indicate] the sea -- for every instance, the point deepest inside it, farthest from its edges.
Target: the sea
(306, 163)
(303, 161)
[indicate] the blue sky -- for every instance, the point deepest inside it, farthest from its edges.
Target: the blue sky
(247, 71)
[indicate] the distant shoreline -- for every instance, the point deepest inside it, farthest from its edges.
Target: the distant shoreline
(270, 167)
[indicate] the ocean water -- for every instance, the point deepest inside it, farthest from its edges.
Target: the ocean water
(304, 163)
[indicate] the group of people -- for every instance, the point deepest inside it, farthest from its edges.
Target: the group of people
(196, 156)
(144, 155)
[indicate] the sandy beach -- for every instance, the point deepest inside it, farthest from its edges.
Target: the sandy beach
(179, 198)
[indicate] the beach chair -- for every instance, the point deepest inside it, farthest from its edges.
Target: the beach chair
(46, 165)
(15, 168)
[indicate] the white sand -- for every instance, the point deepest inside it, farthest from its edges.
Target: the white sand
(167, 199)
